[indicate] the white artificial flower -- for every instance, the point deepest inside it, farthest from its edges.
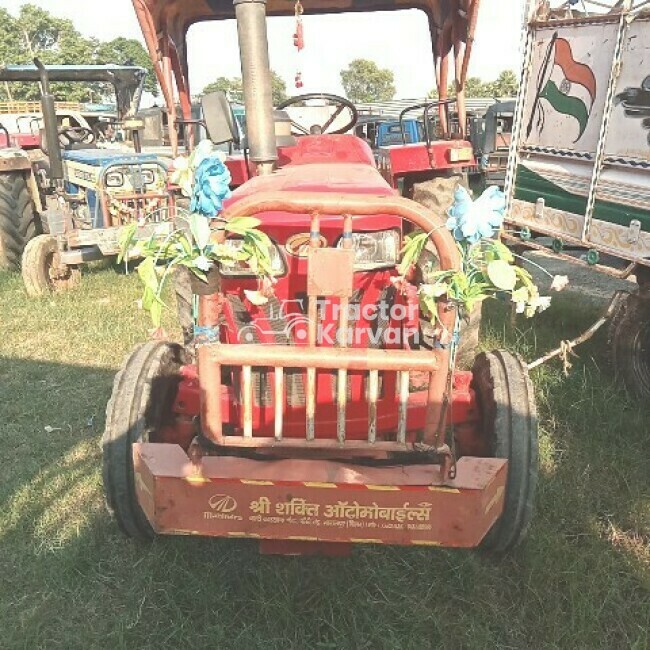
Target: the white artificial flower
(203, 263)
(520, 298)
(182, 175)
(559, 282)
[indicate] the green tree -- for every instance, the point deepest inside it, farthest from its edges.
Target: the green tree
(232, 88)
(364, 81)
(128, 51)
(36, 33)
(235, 92)
(506, 84)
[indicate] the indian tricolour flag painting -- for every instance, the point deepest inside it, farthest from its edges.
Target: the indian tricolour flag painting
(568, 86)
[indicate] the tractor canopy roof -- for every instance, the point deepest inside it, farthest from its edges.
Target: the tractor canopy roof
(126, 80)
(165, 23)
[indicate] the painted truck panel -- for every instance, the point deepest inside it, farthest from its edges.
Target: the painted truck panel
(580, 161)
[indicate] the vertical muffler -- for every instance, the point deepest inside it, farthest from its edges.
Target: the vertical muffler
(256, 77)
(51, 127)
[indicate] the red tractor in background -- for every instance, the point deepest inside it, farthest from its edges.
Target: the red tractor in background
(301, 442)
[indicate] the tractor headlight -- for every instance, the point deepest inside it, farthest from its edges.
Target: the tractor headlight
(241, 269)
(374, 250)
(148, 177)
(114, 179)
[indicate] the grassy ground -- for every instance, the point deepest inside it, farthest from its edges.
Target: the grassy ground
(70, 580)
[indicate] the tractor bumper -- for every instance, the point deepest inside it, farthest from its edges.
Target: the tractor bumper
(317, 500)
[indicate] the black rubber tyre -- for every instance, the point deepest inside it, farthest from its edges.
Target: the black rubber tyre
(42, 272)
(437, 194)
(19, 221)
(184, 311)
(629, 337)
(143, 394)
(509, 419)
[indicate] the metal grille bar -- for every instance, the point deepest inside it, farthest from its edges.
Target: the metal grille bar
(403, 388)
(247, 399)
(279, 402)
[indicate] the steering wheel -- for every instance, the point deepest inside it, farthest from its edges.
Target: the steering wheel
(75, 135)
(341, 103)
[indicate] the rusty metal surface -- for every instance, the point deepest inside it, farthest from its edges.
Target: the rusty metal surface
(318, 500)
(312, 357)
(288, 356)
(330, 272)
(14, 160)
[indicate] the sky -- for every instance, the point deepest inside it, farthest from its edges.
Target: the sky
(398, 41)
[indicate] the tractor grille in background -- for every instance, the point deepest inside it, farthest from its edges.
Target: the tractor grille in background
(280, 331)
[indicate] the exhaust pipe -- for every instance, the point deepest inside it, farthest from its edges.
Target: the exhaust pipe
(51, 127)
(256, 76)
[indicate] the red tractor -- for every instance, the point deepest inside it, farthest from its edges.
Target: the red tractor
(305, 441)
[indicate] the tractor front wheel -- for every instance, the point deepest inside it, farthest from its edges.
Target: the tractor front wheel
(140, 406)
(509, 421)
(629, 337)
(42, 269)
(19, 221)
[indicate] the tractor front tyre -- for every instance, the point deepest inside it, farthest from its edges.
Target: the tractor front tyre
(629, 337)
(140, 406)
(19, 222)
(42, 269)
(509, 421)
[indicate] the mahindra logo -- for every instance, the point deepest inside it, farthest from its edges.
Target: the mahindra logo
(222, 503)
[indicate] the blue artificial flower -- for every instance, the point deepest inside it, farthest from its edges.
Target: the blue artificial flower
(474, 220)
(211, 187)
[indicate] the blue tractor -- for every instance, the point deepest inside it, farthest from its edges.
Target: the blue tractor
(66, 203)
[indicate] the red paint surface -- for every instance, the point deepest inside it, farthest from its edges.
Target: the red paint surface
(398, 161)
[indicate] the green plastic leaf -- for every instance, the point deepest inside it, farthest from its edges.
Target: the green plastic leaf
(148, 275)
(502, 251)
(200, 228)
(502, 275)
(155, 312)
(126, 240)
(239, 225)
(414, 244)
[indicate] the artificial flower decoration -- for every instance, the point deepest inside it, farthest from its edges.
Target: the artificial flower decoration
(198, 243)
(185, 168)
(474, 220)
(488, 267)
(211, 187)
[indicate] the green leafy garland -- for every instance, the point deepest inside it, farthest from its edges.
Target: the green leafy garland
(196, 246)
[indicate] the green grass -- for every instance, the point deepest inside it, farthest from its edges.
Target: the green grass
(68, 578)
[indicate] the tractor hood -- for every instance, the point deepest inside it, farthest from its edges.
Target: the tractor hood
(126, 80)
(165, 23)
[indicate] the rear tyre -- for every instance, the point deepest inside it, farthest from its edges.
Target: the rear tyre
(18, 220)
(143, 394)
(437, 194)
(509, 420)
(629, 337)
(42, 269)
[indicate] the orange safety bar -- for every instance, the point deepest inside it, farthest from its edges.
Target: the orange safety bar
(211, 357)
